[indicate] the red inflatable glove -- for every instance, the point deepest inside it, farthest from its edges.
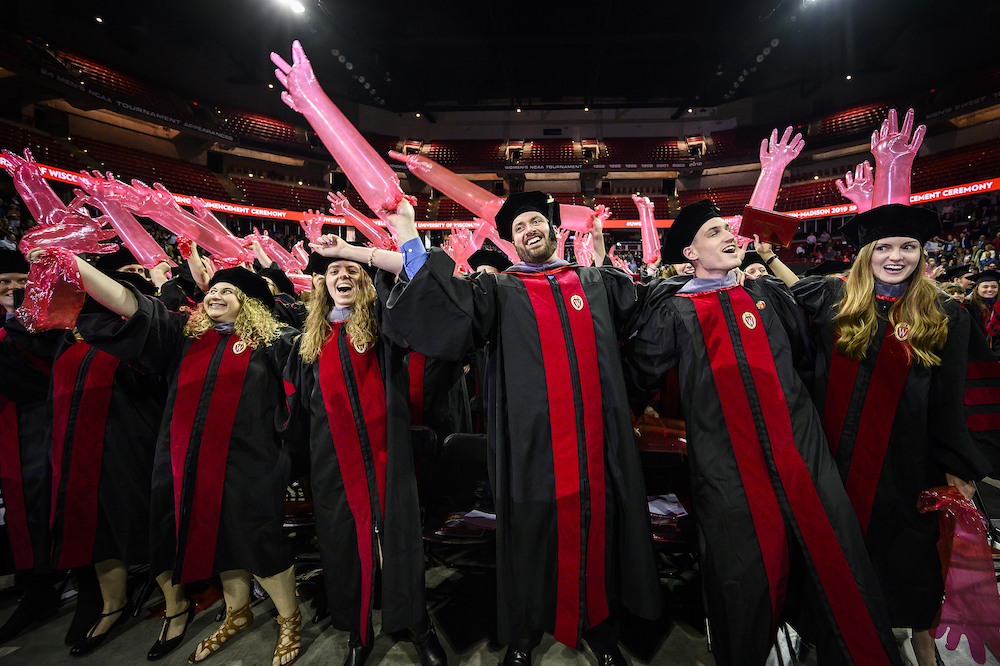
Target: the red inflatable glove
(54, 294)
(859, 188)
(301, 257)
(481, 202)
(894, 153)
(971, 606)
(488, 231)
(562, 235)
(583, 248)
(374, 180)
(31, 185)
(312, 223)
(775, 155)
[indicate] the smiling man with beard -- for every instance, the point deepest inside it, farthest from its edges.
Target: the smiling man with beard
(573, 538)
(775, 522)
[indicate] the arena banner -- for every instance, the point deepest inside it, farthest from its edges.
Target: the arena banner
(249, 210)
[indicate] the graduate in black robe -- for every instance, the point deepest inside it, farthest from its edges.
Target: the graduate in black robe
(25, 474)
(220, 470)
(573, 534)
(348, 391)
(899, 423)
(772, 513)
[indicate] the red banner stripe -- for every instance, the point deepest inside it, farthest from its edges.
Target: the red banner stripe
(565, 457)
(982, 395)
(983, 370)
(841, 588)
(764, 510)
(839, 388)
(885, 388)
(416, 372)
(347, 444)
(585, 344)
(79, 524)
(982, 422)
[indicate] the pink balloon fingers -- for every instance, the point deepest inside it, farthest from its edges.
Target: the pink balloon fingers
(272, 249)
(135, 237)
(858, 188)
(31, 185)
(374, 180)
(583, 248)
(894, 152)
(301, 257)
(775, 155)
(339, 205)
(650, 237)
(487, 231)
(54, 294)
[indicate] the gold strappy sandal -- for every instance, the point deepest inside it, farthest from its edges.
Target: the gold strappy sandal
(236, 623)
(289, 638)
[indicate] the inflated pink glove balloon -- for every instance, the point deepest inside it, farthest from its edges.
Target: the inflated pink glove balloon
(54, 294)
(135, 237)
(775, 155)
(218, 233)
(481, 202)
(486, 230)
(301, 257)
(312, 223)
(583, 248)
(859, 187)
(31, 185)
(375, 181)
(562, 235)
(300, 281)
(650, 239)
(339, 205)
(618, 262)
(971, 605)
(462, 247)
(271, 248)
(894, 153)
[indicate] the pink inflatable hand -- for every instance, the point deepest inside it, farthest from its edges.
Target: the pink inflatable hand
(312, 223)
(300, 281)
(583, 248)
(214, 231)
(301, 257)
(562, 236)
(339, 205)
(650, 238)
(462, 246)
(775, 155)
(486, 230)
(618, 262)
(31, 185)
(894, 152)
(54, 294)
(273, 249)
(481, 202)
(70, 231)
(184, 246)
(371, 176)
(578, 218)
(971, 607)
(858, 188)
(135, 237)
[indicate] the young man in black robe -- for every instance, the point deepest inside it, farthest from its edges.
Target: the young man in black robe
(773, 516)
(573, 537)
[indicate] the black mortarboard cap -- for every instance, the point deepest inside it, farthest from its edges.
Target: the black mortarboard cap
(751, 258)
(988, 276)
(954, 272)
(318, 263)
(684, 228)
(497, 260)
(891, 220)
(109, 263)
(279, 278)
(246, 281)
(522, 202)
(12, 261)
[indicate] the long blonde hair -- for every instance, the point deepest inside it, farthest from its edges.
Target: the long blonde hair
(255, 324)
(857, 318)
(362, 326)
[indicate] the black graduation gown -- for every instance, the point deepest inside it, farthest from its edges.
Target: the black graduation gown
(351, 405)
(439, 399)
(219, 471)
(25, 426)
(573, 536)
(106, 419)
(895, 428)
(765, 490)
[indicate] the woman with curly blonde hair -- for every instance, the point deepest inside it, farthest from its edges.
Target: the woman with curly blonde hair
(890, 389)
(350, 401)
(219, 470)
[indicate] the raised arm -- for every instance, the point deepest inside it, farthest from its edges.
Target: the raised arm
(101, 288)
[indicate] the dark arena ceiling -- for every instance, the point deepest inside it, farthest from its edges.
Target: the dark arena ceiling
(490, 54)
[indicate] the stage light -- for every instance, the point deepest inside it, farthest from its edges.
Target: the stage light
(99, 19)
(815, 177)
(586, 108)
(270, 85)
(349, 66)
(518, 109)
(297, 7)
(848, 77)
(418, 115)
(690, 110)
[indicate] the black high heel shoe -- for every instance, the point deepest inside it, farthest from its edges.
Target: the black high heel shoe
(357, 652)
(91, 642)
(161, 648)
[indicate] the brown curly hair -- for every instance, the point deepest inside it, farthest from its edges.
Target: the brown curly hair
(254, 322)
